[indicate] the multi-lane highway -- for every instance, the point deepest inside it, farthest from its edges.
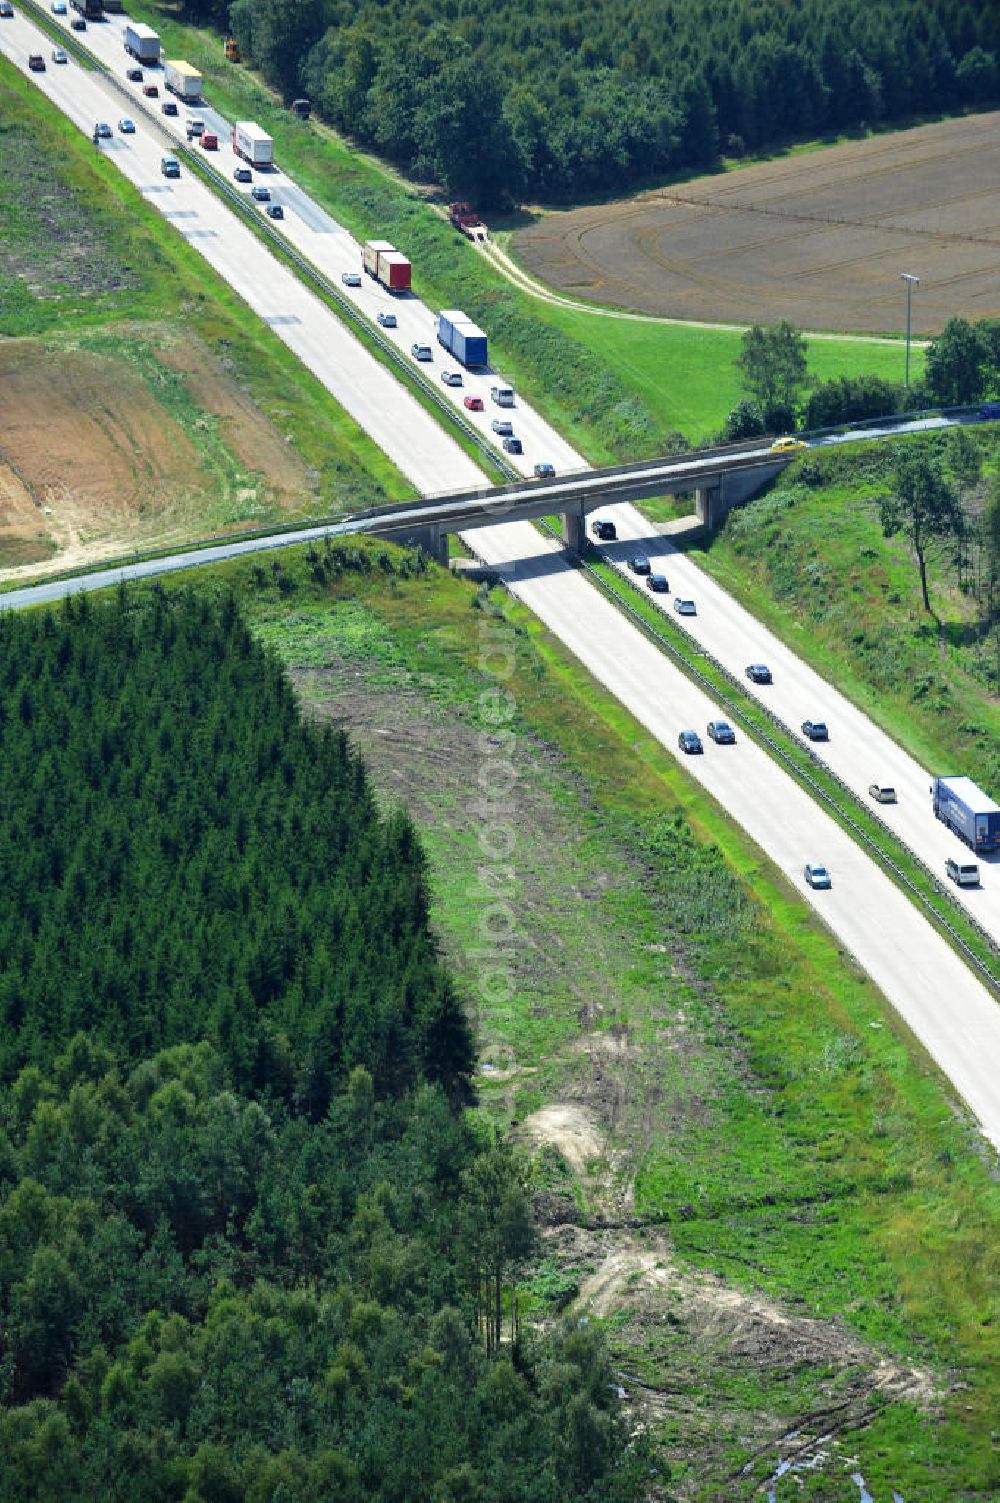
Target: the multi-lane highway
(947, 1008)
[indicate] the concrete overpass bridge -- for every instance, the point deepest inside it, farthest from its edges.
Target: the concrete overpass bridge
(719, 478)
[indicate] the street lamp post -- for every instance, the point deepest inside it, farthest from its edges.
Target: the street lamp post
(911, 281)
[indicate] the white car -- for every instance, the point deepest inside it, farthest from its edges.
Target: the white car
(351, 278)
(59, 55)
(58, 7)
(451, 378)
(817, 876)
(387, 320)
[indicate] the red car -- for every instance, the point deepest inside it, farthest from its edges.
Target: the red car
(151, 91)
(474, 404)
(209, 141)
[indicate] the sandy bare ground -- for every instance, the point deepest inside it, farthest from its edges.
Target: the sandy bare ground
(819, 238)
(94, 464)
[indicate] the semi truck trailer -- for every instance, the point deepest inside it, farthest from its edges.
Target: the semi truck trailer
(387, 265)
(142, 43)
(253, 144)
(967, 810)
(183, 80)
(461, 337)
(93, 10)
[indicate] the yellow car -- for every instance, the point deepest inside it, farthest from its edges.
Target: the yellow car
(787, 445)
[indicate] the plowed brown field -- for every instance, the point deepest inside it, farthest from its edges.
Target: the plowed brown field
(819, 239)
(92, 462)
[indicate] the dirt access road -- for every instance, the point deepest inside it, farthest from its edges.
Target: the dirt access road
(819, 238)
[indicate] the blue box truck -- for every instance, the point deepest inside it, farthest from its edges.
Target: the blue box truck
(461, 337)
(967, 810)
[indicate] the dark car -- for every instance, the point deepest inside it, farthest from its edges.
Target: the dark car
(103, 131)
(815, 730)
(657, 583)
(722, 732)
(606, 531)
(168, 107)
(7, 10)
(275, 211)
(513, 446)
(260, 194)
(758, 673)
(151, 90)
(640, 564)
(77, 24)
(544, 470)
(989, 410)
(36, 62)
(170, 167)
(689, 742)
(134, 75)
(242, 175)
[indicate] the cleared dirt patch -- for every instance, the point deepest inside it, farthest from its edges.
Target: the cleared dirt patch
(94, 460)
(571, 1130)
(819, 239)
(722, 1368)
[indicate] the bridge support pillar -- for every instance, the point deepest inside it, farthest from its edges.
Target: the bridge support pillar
(574, 526)
(431, 539)
(708, 506)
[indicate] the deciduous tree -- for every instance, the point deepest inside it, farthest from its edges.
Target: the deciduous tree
(923, 507)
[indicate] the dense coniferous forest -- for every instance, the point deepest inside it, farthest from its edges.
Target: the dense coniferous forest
(575, 97)
(251, 1248)
(181, 856)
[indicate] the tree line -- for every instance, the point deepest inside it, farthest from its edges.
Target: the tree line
(962, 369)
(252, 1247)
(570, 98)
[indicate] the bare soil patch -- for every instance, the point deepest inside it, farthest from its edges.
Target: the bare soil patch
(692, 1347)
(569, 1128)
(93, 463)
(819, 239)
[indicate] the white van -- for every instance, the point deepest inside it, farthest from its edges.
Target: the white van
(503, 396)
(965, 873)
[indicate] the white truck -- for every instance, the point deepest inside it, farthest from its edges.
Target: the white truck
(142, 43)
(253, 144)
(183, 80)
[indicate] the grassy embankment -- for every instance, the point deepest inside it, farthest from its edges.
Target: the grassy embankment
(757, 1118)
(810, 560)
(85, 259)
(616, 389)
